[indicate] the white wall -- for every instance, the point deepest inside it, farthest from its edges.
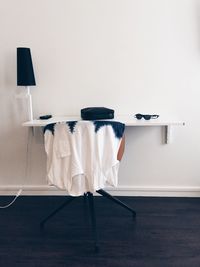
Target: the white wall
(130, 55)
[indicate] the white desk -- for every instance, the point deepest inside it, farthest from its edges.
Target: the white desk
(126, 119)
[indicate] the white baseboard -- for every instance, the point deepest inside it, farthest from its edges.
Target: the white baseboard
(44, 190)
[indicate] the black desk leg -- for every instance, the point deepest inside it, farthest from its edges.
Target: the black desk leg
(93, 219)
(70, 198)
(116, 200)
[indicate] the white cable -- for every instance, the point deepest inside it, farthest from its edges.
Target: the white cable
(26, 173)
(17, 195)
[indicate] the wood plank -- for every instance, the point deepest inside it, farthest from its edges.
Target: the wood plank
(165, 233)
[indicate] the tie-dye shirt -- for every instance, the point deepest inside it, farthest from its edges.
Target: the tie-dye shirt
(82, 155)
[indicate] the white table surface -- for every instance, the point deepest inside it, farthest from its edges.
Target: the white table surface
(128, 120)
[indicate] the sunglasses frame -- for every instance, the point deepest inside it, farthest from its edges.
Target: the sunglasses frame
(147, 117)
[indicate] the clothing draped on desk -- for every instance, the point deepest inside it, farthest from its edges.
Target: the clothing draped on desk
(82, 155)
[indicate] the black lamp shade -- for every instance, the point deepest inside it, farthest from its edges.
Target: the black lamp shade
(25, 73)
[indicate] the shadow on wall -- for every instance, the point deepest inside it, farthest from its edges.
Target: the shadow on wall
(197, 16)
(8, 101)
(13, 110)
(12, 114)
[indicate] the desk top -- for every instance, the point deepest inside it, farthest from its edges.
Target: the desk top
(128, 120)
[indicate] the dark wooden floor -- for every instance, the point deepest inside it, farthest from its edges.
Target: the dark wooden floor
(165, 233)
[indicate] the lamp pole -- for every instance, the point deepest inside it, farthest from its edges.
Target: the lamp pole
(30, 106)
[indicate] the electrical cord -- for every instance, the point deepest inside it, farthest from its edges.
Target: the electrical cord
(17, 195)
(26, 171)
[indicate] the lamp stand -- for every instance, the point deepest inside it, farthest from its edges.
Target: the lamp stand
(30, 107)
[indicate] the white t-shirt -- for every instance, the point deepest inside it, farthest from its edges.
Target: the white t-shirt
(82, 155)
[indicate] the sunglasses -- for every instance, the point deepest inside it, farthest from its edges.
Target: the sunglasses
(139, 116)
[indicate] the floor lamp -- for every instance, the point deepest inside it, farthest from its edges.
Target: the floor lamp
(25, 75)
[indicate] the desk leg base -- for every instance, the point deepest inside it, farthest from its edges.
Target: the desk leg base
(56, 211)
(93, 220)
(116, 200)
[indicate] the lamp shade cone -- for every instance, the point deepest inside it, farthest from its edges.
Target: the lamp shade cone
(25, 72)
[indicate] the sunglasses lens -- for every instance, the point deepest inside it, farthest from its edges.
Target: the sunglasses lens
(147, 117)
(138, 116)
